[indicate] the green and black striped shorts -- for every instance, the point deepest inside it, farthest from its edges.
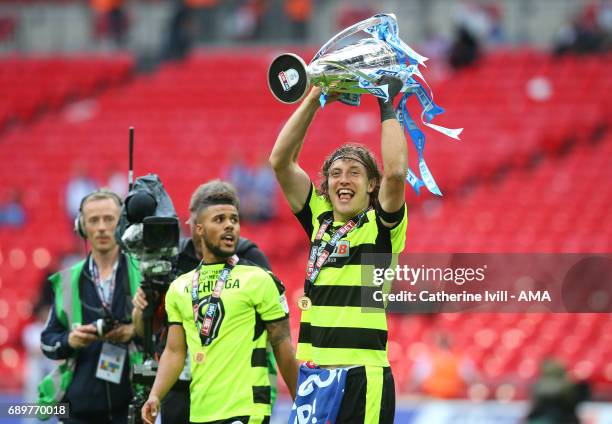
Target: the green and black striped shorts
(369, 396)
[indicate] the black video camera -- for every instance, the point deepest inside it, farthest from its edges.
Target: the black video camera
(149, 229)
(105, 325)
(154, 241)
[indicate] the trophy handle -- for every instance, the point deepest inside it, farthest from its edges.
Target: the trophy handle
(288, 78)
(353, 29)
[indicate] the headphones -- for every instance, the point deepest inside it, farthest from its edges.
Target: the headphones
(79, 224)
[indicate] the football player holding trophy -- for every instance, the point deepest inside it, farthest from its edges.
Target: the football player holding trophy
(357, 68)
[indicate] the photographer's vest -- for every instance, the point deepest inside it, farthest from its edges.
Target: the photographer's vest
(69, 312)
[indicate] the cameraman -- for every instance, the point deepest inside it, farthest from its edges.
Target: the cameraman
(101, 286)
(175, 406)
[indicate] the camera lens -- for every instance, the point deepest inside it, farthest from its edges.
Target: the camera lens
(103, 326)
(100, 327)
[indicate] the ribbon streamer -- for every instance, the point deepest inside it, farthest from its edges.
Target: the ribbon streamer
(384, 27)
(387, 31)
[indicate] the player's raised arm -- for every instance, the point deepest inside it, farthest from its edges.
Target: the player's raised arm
(293, 180)
(394, 154)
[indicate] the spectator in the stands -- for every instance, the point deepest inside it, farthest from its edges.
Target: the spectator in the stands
(192, 21)
(117, 182)
(79, 186)
(12, 213)
(555, 396)
(181, 33)
(110, 21)
(239, 174)
(263, 196)
(478, 24)
(299, 13)
(207, 14)
(442, 371)
(256, 187)
(247, 21)
(496, 33)
(484, 21)
(464, 50)
(589, 31)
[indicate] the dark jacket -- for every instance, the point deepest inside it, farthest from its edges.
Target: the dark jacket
(246, 249)
(88, 395)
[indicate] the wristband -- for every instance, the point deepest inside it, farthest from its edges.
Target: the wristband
(386, 110)
(391, 217)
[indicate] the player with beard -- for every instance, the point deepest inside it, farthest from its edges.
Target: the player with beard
(175, 405)
(357, 210)
(221, 314)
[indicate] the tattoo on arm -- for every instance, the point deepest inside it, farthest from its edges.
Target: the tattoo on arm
(278, 331)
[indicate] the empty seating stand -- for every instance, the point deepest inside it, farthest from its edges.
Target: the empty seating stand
(32, 85)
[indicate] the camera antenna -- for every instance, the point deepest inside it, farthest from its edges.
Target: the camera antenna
(131, 160)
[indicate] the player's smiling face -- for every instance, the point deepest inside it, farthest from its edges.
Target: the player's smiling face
(348, 188)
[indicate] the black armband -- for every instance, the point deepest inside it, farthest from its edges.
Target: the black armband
(391, 217)
(272, 321)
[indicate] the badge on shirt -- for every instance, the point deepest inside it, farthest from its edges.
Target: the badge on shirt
(342, 249)
(199, 357)
(110, 364)
(304, 303)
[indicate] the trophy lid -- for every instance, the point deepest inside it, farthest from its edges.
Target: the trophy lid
(288, 79)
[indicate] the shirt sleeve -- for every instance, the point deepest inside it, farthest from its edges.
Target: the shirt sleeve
(172, 304)
(54, 338)
(398, 233)
(269, 298)
(315, 205)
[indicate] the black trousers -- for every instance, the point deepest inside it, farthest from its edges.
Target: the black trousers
(175, 407)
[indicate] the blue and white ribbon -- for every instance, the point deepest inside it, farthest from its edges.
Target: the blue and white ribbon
(384, 27)
(387, 31)
(418, 139)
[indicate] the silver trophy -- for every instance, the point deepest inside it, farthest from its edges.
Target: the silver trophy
(290, 78)
(356, 69)
(350, 69)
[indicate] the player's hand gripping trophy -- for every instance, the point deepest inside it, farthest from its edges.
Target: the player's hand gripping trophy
(356, 68)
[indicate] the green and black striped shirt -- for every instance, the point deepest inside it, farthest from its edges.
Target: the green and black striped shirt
(337, 330)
